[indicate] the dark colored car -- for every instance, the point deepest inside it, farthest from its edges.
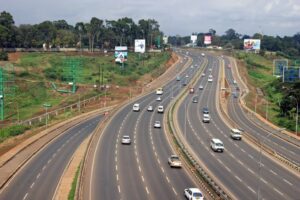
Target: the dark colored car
(205, 110)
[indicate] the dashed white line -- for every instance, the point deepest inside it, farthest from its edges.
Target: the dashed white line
(228, 169)
(116, 168)
(263, 180)
(168, 179)
(49, 161)
(38, 176)
(44, 167)
(278, 191)
(241, 162)
(251, 189)
(143, 179)
(250, 156)
(32, 185)
(250, 170)
(287, 182)
(174, 191)
(140, 169)
(238, 178)
(147, 190)
(119, 188)
(25, 196)
(117, 177)
(273, 172)
(243, 150)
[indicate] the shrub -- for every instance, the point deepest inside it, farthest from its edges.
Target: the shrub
(3, 55)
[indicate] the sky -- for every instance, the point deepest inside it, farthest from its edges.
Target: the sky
(176, 17)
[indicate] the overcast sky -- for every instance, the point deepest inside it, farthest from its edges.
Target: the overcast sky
(183, 17)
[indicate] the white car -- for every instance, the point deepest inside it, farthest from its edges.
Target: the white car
(217, 145)
(136, 107)
(203, 74)
(210, 80)
(236, 134)
(206, 118)
(126, 139)
(158, 99)
(193, 194)
(157, 124)
(150, 108)
(186, 76)
(160, 109)
(174, 161)
(200, 87)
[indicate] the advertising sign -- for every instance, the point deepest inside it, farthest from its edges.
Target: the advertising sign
(207, 39)
(165, 39)
(291, 74)
(278, 65)
(193, 39)
(140, 45)
(251, 44)
(121, 54)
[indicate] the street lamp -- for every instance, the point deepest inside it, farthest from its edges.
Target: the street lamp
(260, 161)
(296, 113)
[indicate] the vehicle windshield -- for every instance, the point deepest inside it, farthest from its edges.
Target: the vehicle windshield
(219, 144)
(197, 194)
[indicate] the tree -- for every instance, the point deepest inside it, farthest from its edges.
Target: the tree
(231, 34)
(7, 31)
(212, 32)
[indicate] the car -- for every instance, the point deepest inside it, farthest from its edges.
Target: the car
(126, 139)
(210, 69)
(186, 76)
(174, 161)
(192, 91)
(203, 74)
(206, 118)
(136, 107)
(160, 109)
(201, 87)
(150, 108)
(217, 145)
(184, 83)
(157, 124)
(210, 80)
(193, 194)
(177, 78)
(234, 82)
(195, 99)
(158, 99)
(205, 110)
(159, 91)
(202, 54)
(235, 134)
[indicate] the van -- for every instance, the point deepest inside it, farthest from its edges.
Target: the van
(216, 145)
(235, 134)
(136, 107)
(160, 109)
(159, 91)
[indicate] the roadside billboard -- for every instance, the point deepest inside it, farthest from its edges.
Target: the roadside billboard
(278, 65)
(251, 44)
(291, 74)
(140, 45)
(207, 39)
(121, 54)
(165, 39)
(194, 39)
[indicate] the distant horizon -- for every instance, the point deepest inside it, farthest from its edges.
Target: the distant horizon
(270, 17)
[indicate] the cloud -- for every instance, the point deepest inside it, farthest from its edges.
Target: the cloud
(273, 17)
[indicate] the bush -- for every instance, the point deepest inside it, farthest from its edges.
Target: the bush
(3, 55)
(12, 131)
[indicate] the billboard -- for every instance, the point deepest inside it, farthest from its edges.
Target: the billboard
(165, 39)
(140, 45)
(251, 44)
(207, 39)
(278, 65)
(291, 74)
(193, 39)
(121, 54)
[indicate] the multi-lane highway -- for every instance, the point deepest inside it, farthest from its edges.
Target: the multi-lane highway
(39, 178)
(237, 114)
(139, 170)
(237, 168)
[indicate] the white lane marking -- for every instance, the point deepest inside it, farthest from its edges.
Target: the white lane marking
(273, 172)
(168, 179)
(228, 169)
(147, 190)
(250, 156)
(143, 178)
(263, 180)
(287, 182)
(119, 188)
(174, 191)
(117, 177)
(250, 170)
(32, 185)
(116, 168)
(243, 150)
(38, 176)
(251, 189)
(241, 162)
(278, 191)
(140, 169)
(238, 178)
(49, 161)
(25, 196)
(44, 167)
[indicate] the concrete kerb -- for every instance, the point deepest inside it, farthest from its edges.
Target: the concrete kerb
(82, 172)
(64, 126)
(250, 139)
(190, 154)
